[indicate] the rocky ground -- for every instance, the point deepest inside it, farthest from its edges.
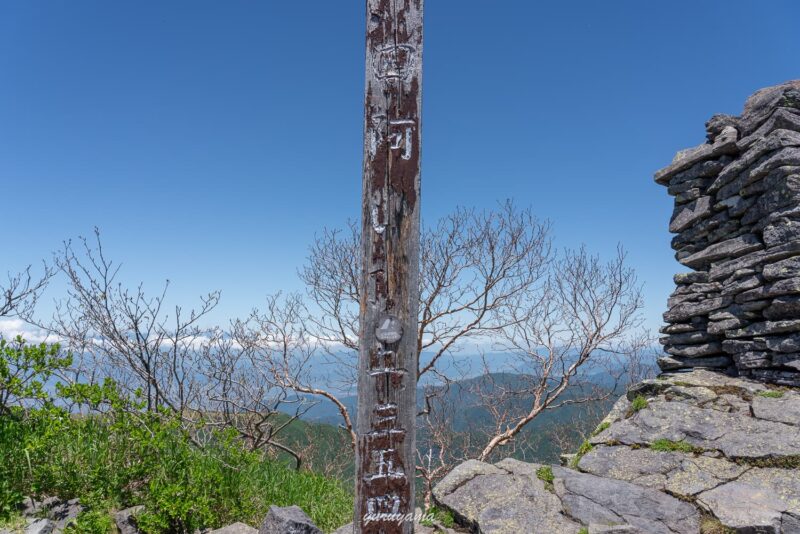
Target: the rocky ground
(685, 453)
(53, 516)
(691, 452)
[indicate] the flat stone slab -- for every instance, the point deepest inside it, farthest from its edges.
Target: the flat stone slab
(508, 497)
(677, 473)
(235, 528)
(737, 417)
(606, 501)
(705, 444)
(729, 444)
(502, 499)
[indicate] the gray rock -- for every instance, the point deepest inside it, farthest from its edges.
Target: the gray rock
(126, 520)
(725, 143)
(766, 328)
(785, 409)
(687, 338)
(786, 307)
(287, 520)
(731, 248)
(418, 529)
(752, 360)
(781, 232)
(788, 268)
(762, 104)
(688, 214)
(695, 351)
(717, 328)
(595, 528)
(678, 473)
(40, 526)
(787, 360)
(685, 311)
(730, 433)
(781, 287)
(506, 498)
(668, 363)
(723, 269)
(514, 499)
(235, 528)
(64, 513)
(738, 286)
(592, 499)
(691, 278)
(744, 508)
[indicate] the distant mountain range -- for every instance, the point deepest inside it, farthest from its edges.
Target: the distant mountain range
(470, 415)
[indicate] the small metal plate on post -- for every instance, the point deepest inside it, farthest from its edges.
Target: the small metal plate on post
(389, 330)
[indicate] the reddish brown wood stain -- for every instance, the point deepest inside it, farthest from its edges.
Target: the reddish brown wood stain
(390, 243)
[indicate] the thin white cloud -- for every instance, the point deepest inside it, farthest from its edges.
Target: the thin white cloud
(11, 328)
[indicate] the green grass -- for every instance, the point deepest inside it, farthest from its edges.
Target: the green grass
(116, 462)
(780, 462)
(443, 517)
(545, 474)
(92, 522)
(665, 445)
(13, 522)
(770, 394)
(583, 530)
(712, 525)
(639, 403)
(582, 450)
(602, 426)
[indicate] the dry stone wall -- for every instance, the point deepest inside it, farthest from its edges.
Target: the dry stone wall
(737, 226)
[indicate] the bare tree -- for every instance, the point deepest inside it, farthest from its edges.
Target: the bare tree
(569, 432)
(239, 393)
(203, 375)
(126, 333)
(493, 279)
(580, 316)
(472, 265)
(19, 295)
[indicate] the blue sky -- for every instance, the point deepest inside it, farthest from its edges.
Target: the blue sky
(210, 140)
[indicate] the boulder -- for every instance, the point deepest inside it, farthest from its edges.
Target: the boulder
(40, 526)
(508, 497)
(288, 520)
(126, 520)
(235, 528)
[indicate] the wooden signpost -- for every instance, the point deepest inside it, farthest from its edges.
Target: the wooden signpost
(385, 457)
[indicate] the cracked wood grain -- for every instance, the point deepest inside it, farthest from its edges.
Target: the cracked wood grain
(385, 455)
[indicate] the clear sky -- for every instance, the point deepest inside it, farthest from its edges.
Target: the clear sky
(210, 140)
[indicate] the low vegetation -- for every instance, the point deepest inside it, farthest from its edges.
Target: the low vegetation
(602, 426)
(545, 474)
(582, 450)
(638, 404)
(711, 525)
(771, 394)
(111, 453)
(440, 516)
(666, 445)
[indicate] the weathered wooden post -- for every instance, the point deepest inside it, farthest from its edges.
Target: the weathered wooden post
(385, 459)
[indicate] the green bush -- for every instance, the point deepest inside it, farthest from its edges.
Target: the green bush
(545, 474)
(639, 403)
(24, 370)
(115, 454)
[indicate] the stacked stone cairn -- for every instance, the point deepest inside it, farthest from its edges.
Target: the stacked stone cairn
(737, 226)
